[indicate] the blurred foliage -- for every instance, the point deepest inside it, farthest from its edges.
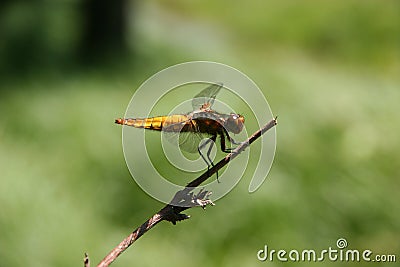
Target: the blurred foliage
(364, 32)
(328, 69)
(36, 34)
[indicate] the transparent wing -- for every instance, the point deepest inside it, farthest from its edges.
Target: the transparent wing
(207, 96)
(190, 142)
(187, 141)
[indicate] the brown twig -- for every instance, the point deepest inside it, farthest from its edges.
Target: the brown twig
(172, 211)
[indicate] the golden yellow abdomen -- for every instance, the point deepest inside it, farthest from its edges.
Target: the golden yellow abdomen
(156, 123)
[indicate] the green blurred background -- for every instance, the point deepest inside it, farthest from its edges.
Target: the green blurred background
(329, 69)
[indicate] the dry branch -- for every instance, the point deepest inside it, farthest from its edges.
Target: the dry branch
(172, 212)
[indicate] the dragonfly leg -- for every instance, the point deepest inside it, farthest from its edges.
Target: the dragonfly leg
(209, 161)
(223, 145)
(213, 138)
(231, 139)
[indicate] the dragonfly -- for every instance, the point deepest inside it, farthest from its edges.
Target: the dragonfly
(193, 127)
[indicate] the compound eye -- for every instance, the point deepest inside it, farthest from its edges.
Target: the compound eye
(235, 117)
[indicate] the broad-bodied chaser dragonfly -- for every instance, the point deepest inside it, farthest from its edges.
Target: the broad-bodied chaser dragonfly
(194, 126)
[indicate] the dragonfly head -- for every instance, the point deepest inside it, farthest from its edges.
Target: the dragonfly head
(234, 123)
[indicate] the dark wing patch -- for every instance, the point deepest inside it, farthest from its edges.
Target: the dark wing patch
(187, 141)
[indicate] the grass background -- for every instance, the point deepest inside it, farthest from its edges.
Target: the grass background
(330, 70)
